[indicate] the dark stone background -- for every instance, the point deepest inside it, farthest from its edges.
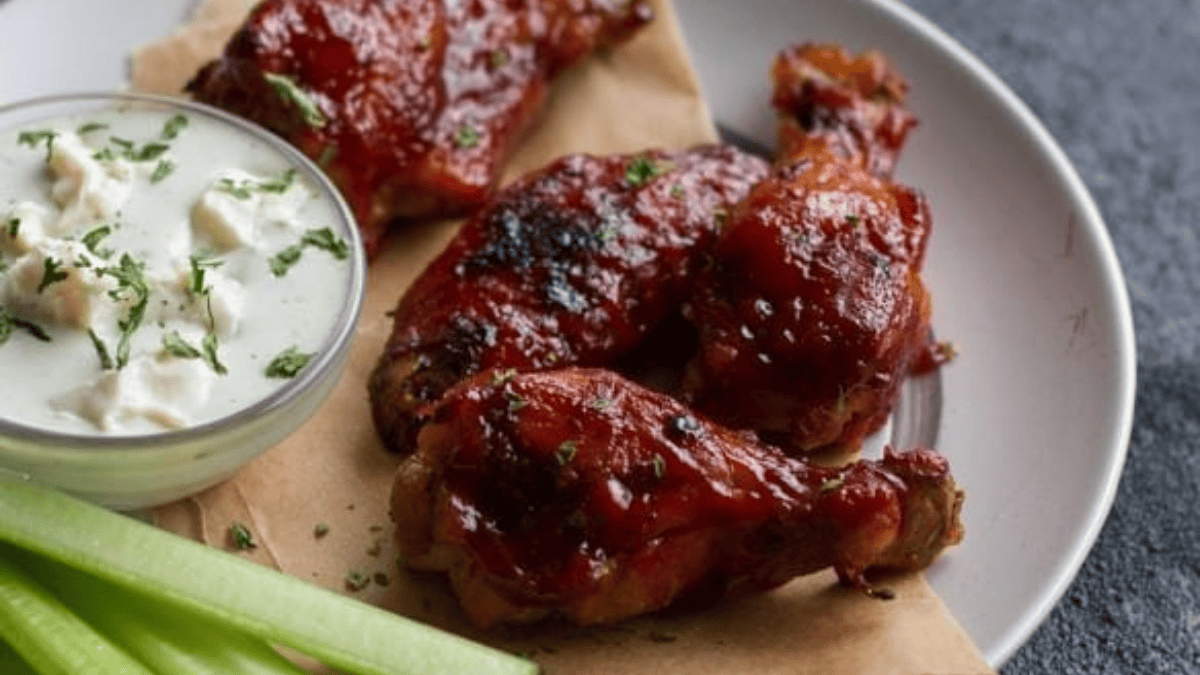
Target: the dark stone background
(1117, 82)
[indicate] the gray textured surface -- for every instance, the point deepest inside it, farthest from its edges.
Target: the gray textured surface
(1117, 82)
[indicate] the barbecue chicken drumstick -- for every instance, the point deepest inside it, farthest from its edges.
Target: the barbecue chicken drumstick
(814, 310)
(411, 106)
(574, 264)
(577, 493)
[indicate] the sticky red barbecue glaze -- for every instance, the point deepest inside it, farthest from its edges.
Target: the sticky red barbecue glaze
(424, 99)
(578, 492)
(573, 264)
(814, 310)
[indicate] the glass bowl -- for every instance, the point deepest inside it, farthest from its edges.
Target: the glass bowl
(129, 470)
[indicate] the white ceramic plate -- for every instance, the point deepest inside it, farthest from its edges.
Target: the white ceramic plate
(1038, 407)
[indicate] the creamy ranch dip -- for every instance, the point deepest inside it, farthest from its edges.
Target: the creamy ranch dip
(159, 270)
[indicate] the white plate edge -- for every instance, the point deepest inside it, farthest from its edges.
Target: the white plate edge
(1115, 290)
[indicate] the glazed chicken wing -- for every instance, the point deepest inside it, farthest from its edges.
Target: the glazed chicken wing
(411, 106)
(578, 493)
(574, 264)
(850, 105)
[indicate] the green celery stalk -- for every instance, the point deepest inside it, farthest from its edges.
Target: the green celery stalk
(51, 639)
(11, 662)
(165, 640)
(340, 631)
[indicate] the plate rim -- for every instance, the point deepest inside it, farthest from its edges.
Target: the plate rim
(1115, 292)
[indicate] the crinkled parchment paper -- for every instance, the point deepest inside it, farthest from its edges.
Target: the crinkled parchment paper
(333, 472)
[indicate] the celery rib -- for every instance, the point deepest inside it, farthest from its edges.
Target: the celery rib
(166, 641)
(49, 637)
(11, 662)
(339, 631)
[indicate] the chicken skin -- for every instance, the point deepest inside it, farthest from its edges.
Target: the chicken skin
(411, 106)
(577, 493)
(850, 105)
(573, 264)
(814, 310)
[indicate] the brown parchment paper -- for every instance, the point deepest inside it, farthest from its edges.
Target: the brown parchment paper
(333, 472)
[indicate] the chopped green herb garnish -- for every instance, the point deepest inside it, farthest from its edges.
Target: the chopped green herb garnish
(602, 403)
(125, 144)
(32, 328)
(164, 169)
(356, 581)
(130, 151)
(467, 137)
(515, 401)
(148, 152)
(320, 530)
(288, 363)
(327, 155)
(173, 126)
(200, 262)
(93, 238)
(13, 225)
(660, 466)
(281, 262)
(89, 127)
(52, 273)
(288, 90)
(245, 189)
(833, 483)
(854, 221)
(238, 190)
(37, 137)
(677, 191)
(502, 376)
(174, 344)
(566, 452)
(642, 169)
(131, 281)
(280, 184)
(606, 234)
(323, 239)
(9, 324)
(326, 240)
(106, 362)
(241, 537)
(209, 347)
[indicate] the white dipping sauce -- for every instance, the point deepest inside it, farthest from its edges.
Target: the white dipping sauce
(215, 200)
